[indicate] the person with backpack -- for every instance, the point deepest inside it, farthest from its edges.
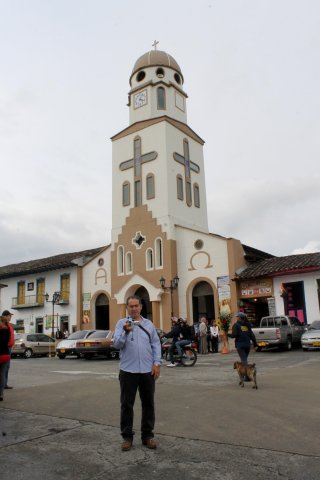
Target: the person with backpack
(243, 335)
(175, 335)
(185, 335)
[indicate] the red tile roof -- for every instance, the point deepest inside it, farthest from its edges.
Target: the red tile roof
(64, 260)
(306, 262)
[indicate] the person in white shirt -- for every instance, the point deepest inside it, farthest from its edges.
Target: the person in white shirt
(214, 333)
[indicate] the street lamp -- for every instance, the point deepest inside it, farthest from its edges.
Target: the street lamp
(173, 285)
(54, 301)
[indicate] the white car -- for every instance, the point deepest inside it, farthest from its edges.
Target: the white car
(68, 346)
(310, 340)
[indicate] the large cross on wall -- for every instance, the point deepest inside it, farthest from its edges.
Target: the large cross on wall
(136, 163)
(188, 166)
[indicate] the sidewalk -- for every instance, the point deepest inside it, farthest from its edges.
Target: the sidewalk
(66, 423)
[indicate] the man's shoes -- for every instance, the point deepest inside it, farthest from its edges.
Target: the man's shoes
(126, 445)
(7, 387)
(172, 364)
(150, 443)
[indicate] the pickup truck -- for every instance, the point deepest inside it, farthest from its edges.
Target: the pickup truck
(280, 331)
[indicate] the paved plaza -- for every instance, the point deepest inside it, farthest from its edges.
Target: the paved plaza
(61, 420)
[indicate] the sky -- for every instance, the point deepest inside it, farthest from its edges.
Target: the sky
(252, 74)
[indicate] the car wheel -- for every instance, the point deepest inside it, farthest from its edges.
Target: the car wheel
(88, 356)
(305, 349)
(289, 344)
(113, 354)
(258, 349)
(27, 353)
(61, 356)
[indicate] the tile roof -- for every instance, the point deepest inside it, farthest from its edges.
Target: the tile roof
(305, 262)
(56, 262)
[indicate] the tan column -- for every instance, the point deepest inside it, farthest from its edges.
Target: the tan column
(156, 314)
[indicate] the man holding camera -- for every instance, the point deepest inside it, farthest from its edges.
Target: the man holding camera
(140, 354)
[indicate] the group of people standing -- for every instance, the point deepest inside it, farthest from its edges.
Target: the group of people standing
(208, 336)
(6, 344)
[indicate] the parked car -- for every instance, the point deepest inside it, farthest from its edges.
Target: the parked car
(279, 331)
(33, 344)
(68, 345)
(310, 340)
(97, 344)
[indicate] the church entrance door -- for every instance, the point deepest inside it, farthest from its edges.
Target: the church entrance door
(102, 312)
(146, 311)
(202, 302)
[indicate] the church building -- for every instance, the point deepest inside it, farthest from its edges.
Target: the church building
(161, 248)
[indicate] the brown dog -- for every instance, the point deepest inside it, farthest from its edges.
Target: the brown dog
(246, 371)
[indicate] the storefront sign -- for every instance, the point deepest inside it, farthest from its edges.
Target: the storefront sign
(256, 288)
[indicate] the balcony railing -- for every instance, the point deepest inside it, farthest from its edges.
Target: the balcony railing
(28, 301)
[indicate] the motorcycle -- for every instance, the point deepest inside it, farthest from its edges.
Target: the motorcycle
(189, 353)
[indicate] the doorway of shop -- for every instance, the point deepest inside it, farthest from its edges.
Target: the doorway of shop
(146, 311)
(102, 312)
(202, 302)
(294, 301)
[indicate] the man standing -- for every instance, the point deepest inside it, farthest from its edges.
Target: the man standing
(140, 354)
(243, 335)
(7, 317)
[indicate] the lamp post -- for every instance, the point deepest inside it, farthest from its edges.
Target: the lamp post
(173, 285)
(54, 301)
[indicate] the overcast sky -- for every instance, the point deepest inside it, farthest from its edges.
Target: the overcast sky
(252, 74)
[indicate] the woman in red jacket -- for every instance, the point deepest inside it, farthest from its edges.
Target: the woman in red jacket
(4, 354)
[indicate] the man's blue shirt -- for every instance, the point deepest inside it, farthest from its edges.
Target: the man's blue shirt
(138, 352)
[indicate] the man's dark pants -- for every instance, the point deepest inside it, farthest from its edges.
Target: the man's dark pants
(243, 353)
(129, 384)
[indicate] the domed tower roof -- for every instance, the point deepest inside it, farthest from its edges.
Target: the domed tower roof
(156, 58)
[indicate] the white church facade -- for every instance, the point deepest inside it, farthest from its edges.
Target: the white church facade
(161, 248)
(159, 212)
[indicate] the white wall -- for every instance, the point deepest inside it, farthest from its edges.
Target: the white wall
(96, 279)
(217, 250)
(310, 291)
(52, 284)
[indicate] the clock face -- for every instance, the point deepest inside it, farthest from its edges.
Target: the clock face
(140, 99)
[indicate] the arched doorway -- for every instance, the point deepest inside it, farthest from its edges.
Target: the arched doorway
(102, 312)
(146, 311)
(202, 301)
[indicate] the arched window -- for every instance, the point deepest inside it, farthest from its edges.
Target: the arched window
(179, 187)
(128, 262)
(188, 193)
(196, 195)
(149, 259)
(120, 260)
(158, 253)
(126, 194)
(161, 97)
(150, 186)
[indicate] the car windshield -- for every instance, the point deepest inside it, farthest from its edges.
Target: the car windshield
(78, 335)
(100, 334)
(315, 325)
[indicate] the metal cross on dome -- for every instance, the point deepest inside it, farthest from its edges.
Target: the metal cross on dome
(188, 166)
(155, 43)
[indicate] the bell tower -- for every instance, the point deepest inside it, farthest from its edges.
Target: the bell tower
(158, 159)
